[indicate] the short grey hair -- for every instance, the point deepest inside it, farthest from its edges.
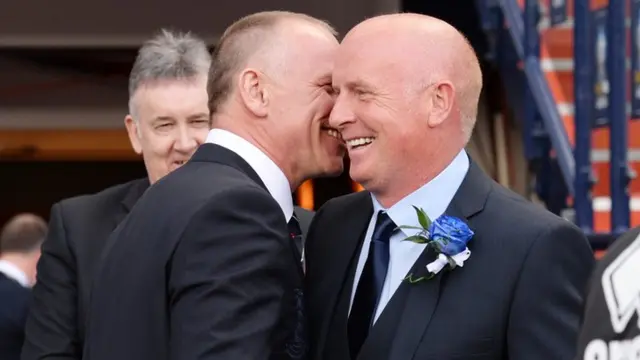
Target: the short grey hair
(169, 56)
(239, 42)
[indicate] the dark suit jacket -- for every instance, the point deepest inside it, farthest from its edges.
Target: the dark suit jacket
(602, 312)
(518, 296)
(14, 305)
(202, 268)
(79, 227)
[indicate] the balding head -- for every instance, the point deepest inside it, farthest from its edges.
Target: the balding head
(270, 83)
(409, 85)
(23, 233)
(258, 40)
(430, 50)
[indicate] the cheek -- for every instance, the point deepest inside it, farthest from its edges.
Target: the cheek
(200, 134)
(157, 146)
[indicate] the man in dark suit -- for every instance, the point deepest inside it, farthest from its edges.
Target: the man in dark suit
(168, 119)
(20, 242)
(204, 266)
(81, 225)
(611, 325)
(408, 90)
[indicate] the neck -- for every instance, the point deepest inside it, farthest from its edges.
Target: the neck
(412, 179)
(21, 261)
(261, 139)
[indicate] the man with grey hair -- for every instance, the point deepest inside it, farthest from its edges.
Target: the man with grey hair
(168, 119)
(205, 266)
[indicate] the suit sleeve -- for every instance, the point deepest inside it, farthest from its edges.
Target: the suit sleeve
(228, 277)
(548, 300)
(51, 329)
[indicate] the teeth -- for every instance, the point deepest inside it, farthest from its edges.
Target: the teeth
(334, 133)
(360, 141)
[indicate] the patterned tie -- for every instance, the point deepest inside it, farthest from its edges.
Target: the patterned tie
(296, 236)
(370, 285)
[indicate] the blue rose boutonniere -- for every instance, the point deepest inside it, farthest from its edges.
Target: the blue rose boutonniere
(447, 236)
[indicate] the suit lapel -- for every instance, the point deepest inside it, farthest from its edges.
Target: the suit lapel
(209, 152)
(134, 193)
(421, 299)
(347, 238)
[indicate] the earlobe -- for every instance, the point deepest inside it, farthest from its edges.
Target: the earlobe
(134, 133)
(442, 103)
(253, 92)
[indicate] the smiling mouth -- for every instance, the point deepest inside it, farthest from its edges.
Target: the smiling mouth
(180, 162)
(359, 142)
(333, 133)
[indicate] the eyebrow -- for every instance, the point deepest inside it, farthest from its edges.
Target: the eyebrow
(360, 85)
(191, 117)
(198, 116)
(162, 118)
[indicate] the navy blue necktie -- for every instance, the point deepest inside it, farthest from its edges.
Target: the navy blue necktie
(370, 285)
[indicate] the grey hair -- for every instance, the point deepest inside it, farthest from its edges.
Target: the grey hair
(168, 56)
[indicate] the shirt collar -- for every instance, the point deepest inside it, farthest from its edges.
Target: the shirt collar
(270, 174)
(15, 273)
(433, 197)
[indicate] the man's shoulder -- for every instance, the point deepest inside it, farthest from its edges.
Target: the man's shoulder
(11, 291)
(520, 214)
(103, 200)
(178, 197)
(345, 204)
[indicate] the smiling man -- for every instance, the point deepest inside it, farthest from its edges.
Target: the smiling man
(204, 267)
(408, 88)
(168, 120)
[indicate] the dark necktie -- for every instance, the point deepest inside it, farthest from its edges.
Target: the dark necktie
(296, 234)
(370, 285)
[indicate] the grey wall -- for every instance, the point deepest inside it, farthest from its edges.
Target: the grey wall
(127, 22)
(38, 95)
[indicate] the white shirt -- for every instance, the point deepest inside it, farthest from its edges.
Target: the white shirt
(270, 174)
(434, 198)
(13, 272)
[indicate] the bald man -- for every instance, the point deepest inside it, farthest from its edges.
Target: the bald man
(407, 89)
(206, 266)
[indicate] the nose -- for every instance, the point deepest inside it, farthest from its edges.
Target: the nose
(341, 114)
(186, 141)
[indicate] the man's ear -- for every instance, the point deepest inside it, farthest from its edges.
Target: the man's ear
(253, 93)
(442, 99)
(134, 133)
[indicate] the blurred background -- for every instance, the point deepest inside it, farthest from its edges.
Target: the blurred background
(556, 121)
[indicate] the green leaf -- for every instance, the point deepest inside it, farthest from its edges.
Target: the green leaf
(417, 239)
(414, 280)
(423, 219)
(435, 245)
(410, 227)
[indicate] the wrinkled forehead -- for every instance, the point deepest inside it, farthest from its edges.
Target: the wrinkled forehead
(374, 61)
(172, 98)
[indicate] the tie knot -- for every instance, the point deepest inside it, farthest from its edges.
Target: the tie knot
(294, 227)
(384, 228)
